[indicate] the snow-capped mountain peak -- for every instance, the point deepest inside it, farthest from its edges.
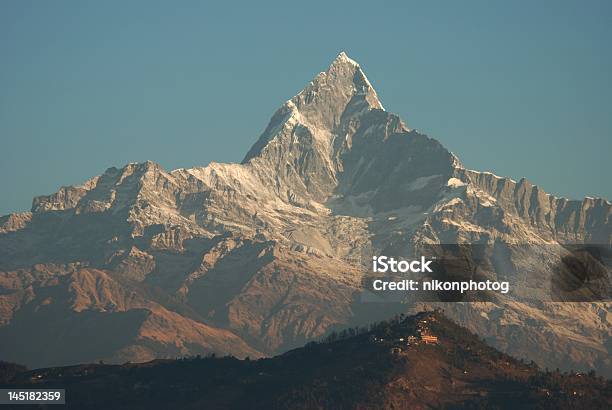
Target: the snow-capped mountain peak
(275, 249)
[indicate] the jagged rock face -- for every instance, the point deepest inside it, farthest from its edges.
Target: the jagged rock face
(270, 253)
(567, 221)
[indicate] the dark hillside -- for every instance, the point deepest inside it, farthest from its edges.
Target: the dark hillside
(422, 361)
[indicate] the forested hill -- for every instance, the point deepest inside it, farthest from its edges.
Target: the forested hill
(421, 361)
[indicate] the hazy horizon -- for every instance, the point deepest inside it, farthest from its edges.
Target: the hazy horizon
(520, 91)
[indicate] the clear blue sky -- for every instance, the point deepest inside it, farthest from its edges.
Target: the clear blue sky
(520, 88)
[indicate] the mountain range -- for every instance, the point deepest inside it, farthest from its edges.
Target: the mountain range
(257, 258)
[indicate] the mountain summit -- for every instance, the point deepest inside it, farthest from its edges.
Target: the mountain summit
(308, 132)
(329, 100)
(340, 92)
(259, 257)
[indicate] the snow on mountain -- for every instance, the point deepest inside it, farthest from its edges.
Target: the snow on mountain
(273, 251)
